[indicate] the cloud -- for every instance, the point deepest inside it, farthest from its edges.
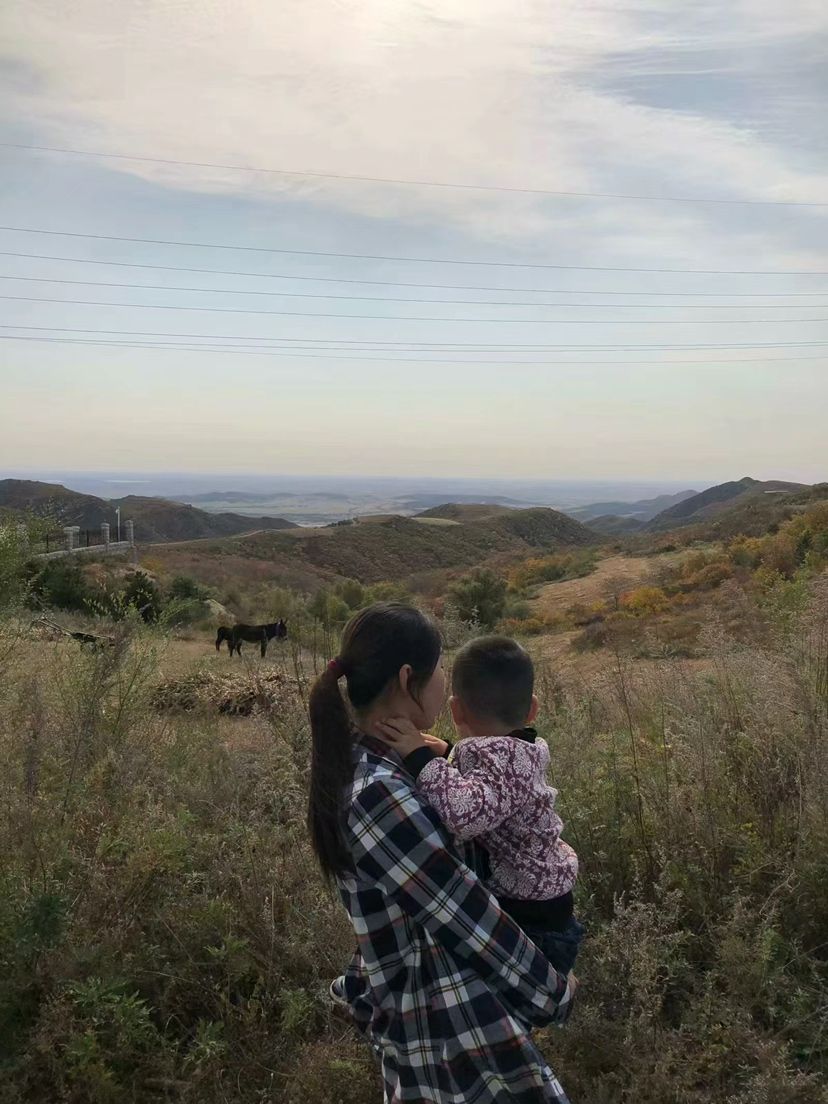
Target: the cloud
(507, 92)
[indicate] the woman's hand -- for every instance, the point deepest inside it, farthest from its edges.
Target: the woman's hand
(402, 734)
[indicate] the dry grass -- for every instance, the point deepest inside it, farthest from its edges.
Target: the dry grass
(164, 935)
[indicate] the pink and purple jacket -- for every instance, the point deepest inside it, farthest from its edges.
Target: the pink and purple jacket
(494, 789)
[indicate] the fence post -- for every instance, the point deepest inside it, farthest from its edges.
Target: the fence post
(105, 533)
(129, 532)
(69, 530)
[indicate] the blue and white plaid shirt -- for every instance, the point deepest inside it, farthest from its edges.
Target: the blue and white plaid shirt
(443, 984)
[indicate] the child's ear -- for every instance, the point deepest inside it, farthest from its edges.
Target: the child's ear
(533, 710)
(404, 677)
(457, 713)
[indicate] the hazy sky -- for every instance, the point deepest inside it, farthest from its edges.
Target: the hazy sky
(704, 375)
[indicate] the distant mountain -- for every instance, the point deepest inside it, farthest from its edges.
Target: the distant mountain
(706, 505)
(644, 509)
(156, 519)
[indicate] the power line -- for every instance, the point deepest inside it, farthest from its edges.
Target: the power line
(416, 183)
(439, 302)
(293, 354)
(403, 283)
(415, 260)
(418, 344)
(429, 318)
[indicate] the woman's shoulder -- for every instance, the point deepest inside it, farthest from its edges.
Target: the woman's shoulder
(384, 798)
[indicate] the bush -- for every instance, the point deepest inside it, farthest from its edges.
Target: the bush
(141, 593)
(62, 584)
(185, 588)
(549, 569)
(479, 597)
(645, 600)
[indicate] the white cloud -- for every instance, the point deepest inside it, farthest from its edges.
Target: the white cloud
(507, 92)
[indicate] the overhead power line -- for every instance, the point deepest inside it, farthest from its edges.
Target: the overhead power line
(465, 186)
(419, 344)
(404, 283)
(412, 260)
(398, 299)
(294, 354)
(428, 318)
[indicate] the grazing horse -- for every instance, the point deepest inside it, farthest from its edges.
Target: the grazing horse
(254, 634)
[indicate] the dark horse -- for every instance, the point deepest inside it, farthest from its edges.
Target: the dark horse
(254, 634)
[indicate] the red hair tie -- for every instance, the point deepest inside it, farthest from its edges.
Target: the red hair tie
(336, 668)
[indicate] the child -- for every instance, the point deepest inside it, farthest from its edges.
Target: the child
(494, 789)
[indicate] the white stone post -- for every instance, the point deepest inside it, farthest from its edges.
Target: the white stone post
(129, 532)
(69, 530)
(105, 533)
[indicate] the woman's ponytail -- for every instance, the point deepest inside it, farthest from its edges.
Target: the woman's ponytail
(332, 739)
(377, 643)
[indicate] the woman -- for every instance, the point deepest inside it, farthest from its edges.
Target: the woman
(443, 984)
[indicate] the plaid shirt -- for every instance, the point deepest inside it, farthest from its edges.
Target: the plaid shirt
(443, 984)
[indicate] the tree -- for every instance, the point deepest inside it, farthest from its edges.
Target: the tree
(480, 596)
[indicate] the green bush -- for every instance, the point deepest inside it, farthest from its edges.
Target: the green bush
(479, 597)
(185, 588)
(61, 584)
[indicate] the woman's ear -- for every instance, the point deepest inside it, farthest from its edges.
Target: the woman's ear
(533, 710)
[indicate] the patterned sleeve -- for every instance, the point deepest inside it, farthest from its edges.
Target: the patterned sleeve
(477, 800)
(397, 845)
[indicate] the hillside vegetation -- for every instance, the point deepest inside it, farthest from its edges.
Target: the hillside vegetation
(395, 548)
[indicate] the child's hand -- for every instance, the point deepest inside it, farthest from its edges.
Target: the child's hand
(438, 746)
(403, 736)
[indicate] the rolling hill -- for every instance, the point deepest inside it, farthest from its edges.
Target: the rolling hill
(715, 500)
(390, 549)
(756, 515)
(464, 512)
(156, 519)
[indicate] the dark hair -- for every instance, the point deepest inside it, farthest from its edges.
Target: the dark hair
(494, 678)
(377, 642)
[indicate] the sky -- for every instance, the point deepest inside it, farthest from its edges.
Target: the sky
(555, 327)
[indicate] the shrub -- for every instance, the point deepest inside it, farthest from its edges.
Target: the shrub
(62, 584)
(141, 593)
(480, 597)
(554, 568)
(185, 587)
(645, 600)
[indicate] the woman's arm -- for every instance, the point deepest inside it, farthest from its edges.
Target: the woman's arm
(397, 846)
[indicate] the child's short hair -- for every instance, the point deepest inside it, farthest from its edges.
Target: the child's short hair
(494, 678)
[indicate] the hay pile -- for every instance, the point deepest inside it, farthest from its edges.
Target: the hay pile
(235, 694)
